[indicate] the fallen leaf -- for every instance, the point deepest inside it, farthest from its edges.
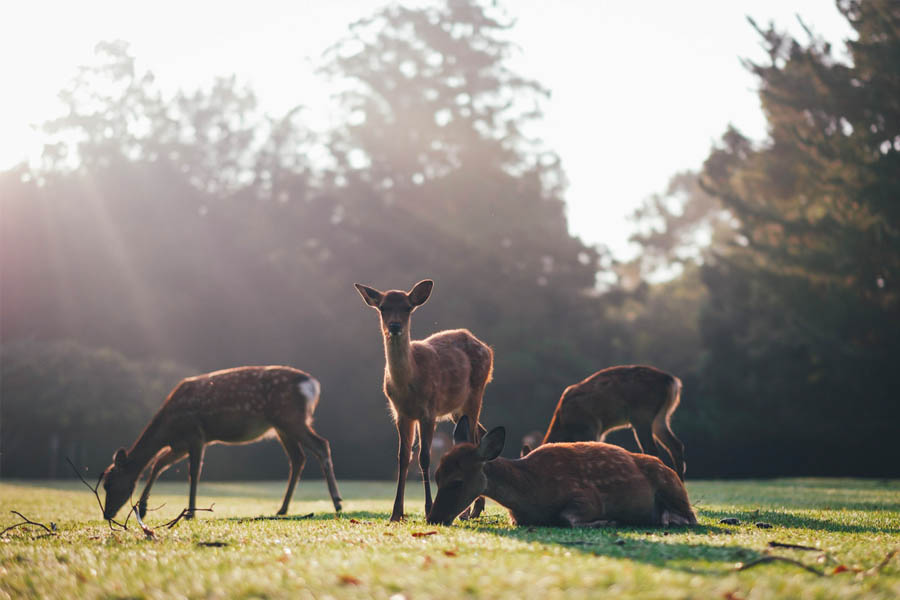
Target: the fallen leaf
(731, 596)
(423, 533)
(763, 525)
(449, 553)
(212, 544)
(839, 569)
(348, 580)
(730, 521)
(388, 533)
(427, 562)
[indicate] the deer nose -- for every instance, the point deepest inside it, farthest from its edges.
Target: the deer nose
(394, 328)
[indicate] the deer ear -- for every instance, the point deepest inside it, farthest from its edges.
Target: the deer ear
(420, 292)
(120, 457)
(371, 296)
(525, 451)
(492, 443)
(461, 431)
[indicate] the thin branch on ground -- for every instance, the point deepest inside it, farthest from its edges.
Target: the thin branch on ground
(770, 559)
(877, 568)
(184, 513)
(791, 546)
(94, 488)
(26, 521)
(148, 533)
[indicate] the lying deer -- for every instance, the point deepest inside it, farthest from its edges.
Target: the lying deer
(583, 484)
(641, 397)
(234, 406)
(426, 380)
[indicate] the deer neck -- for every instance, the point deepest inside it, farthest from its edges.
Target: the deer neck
(507, 483)
(148, 445)
(398, 355)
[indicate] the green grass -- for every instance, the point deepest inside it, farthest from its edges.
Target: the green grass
(854, 523)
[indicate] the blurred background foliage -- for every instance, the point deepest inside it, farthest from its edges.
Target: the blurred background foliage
(166, 236)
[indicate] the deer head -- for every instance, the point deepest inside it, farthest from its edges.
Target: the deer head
(396, 306)
(460, 477)
(118, 483)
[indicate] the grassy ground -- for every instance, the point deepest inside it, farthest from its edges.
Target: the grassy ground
(854, 524)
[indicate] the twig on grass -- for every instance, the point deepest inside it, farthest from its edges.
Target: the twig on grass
(26, 521)
(877, 568)
(183, 514)
(791, 546)
(769, 559)
(94, 488)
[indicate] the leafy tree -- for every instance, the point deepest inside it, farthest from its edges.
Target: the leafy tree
(804, 315)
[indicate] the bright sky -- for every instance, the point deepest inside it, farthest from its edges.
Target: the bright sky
(640, 90)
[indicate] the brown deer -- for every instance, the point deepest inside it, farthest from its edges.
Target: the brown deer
(233, 406)
(638, 396)
(426, 380)
(582, 484)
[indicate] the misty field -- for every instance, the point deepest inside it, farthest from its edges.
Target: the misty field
(853, 525)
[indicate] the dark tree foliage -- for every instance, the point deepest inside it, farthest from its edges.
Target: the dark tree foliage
(802, 326)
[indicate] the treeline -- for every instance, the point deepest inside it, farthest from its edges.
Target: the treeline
(198, 231)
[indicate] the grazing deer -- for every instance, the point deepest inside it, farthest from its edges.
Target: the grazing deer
(426, 380)
(582, 484)
(641, 397)
(233, 406)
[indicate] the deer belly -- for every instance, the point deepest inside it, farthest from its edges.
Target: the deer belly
(236, 431)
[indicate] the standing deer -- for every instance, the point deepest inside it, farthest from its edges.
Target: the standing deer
(233, 406)
(426, 380)
(641, 397)
(582, 484)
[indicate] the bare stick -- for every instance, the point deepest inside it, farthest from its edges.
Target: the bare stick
(770, 559)
(791, 546)
(94, 488)
(184, 512)
(26, 521)
(149, 533)
(874, 570)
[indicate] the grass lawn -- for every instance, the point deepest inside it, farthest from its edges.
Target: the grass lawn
(854, 524)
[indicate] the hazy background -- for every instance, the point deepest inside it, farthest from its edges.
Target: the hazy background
(204, 194)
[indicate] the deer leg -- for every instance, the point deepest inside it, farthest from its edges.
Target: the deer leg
(406, 432)
(672, 444)
(426, 434)
(643, 435)
(195, 460)
(165, 460)
(297, 459)
(478, 506)
(321, 449)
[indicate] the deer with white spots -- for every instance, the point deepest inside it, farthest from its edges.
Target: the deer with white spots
(233, 406)
(581, 484)
(635, 396)
(441, 376)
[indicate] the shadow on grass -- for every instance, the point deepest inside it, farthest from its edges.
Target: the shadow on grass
(789, 520)
(361, 516)
(631, 543)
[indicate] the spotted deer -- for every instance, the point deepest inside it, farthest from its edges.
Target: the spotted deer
(427, 380)
(581, 484)
(635, 396)
(233, 406)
